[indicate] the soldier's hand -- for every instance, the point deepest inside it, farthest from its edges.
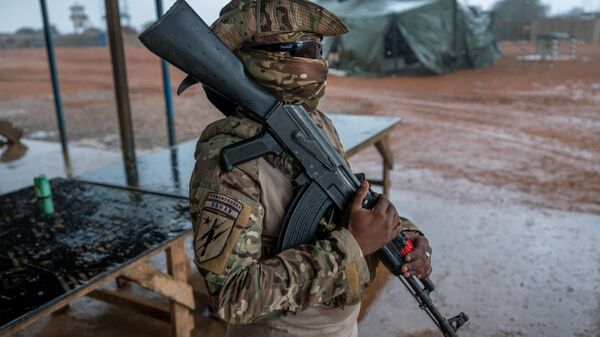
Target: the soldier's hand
(418, 262)
(372, 228)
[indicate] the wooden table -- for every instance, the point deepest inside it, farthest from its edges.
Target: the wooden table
(169, 170)
(162, 184)
(97, 233)
(357, 132)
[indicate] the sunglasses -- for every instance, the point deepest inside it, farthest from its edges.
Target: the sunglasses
(309, 49)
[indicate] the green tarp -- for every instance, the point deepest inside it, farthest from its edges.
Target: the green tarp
(435, 36)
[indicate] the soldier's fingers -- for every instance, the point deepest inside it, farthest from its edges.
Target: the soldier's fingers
(394, 233)
(412, 236)
(392, 213)
(425, 274)
(408, 269)
(382, 204)
(428, 272)
(417, 253)
(392, 220)
(418, 267)
(361, 193)
(421, 245)
(405, 270)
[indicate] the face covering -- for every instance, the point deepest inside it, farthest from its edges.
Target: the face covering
(295, 80)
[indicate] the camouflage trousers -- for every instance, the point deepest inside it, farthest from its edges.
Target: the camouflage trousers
(313, 322)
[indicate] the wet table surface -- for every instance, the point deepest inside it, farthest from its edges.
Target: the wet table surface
(169, 171)
(95, 231)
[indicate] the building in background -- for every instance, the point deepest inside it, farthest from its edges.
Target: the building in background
(584, 28)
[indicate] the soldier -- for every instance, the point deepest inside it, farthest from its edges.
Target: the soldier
(313, 289)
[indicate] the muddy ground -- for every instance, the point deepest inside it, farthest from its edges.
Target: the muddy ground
(528, 127)
(500, 166)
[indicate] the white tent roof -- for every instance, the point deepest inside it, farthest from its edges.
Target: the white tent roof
(370, 8)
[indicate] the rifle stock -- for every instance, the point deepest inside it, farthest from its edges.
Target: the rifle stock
(183, 39)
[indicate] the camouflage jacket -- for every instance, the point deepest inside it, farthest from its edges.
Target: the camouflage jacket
(236, 219)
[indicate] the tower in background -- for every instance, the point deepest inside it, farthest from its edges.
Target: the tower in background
(79, 18)
(125, 17)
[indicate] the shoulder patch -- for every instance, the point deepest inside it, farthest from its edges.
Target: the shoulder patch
(211, 235)
(217, 227)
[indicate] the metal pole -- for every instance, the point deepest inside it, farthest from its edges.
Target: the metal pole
(454, 27)
(175, 168)
(117, 53)
(167, 88)
(56, 89)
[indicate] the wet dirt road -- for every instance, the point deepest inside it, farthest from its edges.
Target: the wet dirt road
(528, 128)
(515, 270)
(501, 169)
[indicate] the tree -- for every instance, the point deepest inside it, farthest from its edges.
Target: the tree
(575, 12)
(512, 18)
(26, 30)
(32, 31)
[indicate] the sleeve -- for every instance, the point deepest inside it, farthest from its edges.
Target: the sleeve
(409, 226)
(243, 287)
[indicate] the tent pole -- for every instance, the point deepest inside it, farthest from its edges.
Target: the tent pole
(56, 89)
(454, 26)
(117, 53)
(167, 88)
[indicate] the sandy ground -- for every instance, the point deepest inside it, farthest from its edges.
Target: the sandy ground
(500, 166)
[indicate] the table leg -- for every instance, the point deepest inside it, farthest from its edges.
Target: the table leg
(182, 323)
(383, 147)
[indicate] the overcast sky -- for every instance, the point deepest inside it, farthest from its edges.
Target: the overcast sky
(17, 14)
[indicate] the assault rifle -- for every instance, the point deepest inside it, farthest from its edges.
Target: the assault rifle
(183, 39)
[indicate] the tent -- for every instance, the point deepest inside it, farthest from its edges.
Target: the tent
(410, 36)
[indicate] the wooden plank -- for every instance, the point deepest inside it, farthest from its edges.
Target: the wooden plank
(83, 291)
(57, 305)
(155, 280)
(366, 144)
(124, 299)
(72, 297)
(178, 265)
(355, 130)
(383, 147)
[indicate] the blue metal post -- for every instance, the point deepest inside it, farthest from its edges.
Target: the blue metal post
(56, 88)
(167, 88)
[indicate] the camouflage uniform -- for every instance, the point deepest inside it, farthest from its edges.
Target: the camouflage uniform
(310, 290)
